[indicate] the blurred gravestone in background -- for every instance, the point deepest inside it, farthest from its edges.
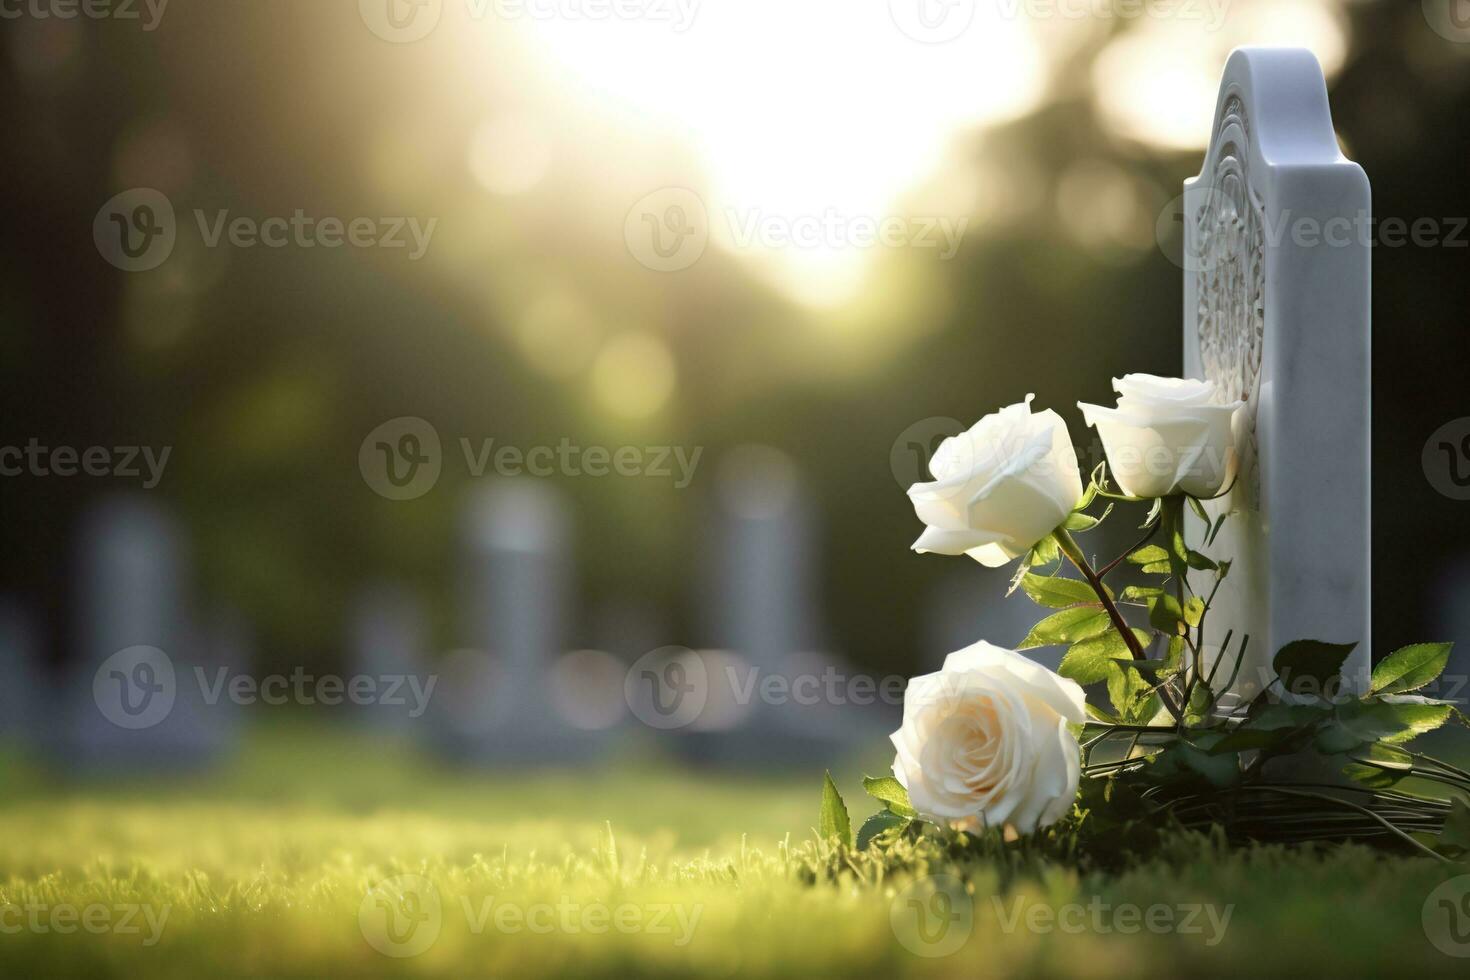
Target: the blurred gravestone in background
(388, 638)
(494, 699)
(771, 696)
(135, 700)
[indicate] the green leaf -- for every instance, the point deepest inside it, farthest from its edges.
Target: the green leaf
(1081, 522)
(1174, 530)
(1335, 738)
(1095, 482)
(1165, 613)
(878, 824)
(1386, 721)
(1138, 593)
(1201, 563)
(1199, 510)
(1148, 555)
(1056, 591)
(1371, 776)
(834, 821)
(1312, 661)
(1215, 529)
(1201, 701)
(1046, 552)
(1387, 756)
(1410, 668)
(1276, 726)
(1088, 661)
(1101, 715)
(1125, 686)
(1182, 762)
(1194, 610)
(891, 792)
(1068, 626)
(1418, 719)
(1379, 767)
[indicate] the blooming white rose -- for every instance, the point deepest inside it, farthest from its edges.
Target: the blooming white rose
(1167, 435)
(985, 742)
(1000, 487)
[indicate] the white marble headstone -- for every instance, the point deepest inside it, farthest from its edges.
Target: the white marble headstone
(1276, 311)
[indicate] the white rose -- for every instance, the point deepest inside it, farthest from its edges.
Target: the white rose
(1000, 487)
(1167, 435)
(985, 742)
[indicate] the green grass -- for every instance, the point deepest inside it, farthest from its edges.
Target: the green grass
(264, 867)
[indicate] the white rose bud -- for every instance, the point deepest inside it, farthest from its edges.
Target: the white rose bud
(985, 741)
(1167, 436)
(1000, 487)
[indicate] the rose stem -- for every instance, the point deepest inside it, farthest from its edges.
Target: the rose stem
(1073, 551)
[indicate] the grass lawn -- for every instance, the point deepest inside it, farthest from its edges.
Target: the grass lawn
(269, 867)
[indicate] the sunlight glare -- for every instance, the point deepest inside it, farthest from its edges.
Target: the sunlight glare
(780, 100)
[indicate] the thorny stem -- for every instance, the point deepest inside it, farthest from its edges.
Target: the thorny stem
(1074, 554)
